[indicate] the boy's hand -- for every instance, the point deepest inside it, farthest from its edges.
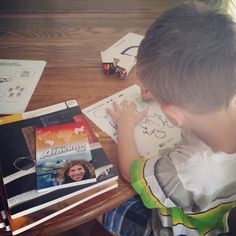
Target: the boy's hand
(125, 114)
(126, 118)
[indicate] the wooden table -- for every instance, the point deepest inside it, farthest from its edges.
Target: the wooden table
(69, 35)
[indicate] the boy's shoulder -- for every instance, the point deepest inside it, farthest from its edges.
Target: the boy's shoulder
(190, 147)
(192, 150)
(199, 167)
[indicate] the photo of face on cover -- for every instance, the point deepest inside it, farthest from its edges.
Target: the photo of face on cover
(76, 171)
(65, 172)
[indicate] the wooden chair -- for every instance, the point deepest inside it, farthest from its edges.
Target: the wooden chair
(232, 222)
(98, 230)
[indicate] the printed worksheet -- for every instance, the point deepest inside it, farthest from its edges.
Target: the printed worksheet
(18, 79)
(153, 133)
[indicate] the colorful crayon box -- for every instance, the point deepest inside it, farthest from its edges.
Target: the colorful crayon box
(120, 58)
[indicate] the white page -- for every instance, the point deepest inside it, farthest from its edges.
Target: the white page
(126, 46)
(153, 133)
(18, 79)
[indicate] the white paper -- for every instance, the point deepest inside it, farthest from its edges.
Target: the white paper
(153, 133)
(18, 79)
(126, 46)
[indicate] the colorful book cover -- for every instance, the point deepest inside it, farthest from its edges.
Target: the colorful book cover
(63, 157)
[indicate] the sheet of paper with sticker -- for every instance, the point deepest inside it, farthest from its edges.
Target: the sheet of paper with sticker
(18, 79)
(153, 133)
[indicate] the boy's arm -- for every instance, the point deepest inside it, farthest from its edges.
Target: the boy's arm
(127, 150)
(126, 118)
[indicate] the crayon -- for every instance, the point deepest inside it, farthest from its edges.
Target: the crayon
(121, 73)
(124, 66)
(108, 68)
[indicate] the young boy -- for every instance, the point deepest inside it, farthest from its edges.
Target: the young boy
(186, 63)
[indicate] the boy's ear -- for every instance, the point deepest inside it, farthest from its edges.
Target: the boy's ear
(146, 94)
(174, 114)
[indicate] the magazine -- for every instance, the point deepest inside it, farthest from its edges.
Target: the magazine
(63, 157)
(17, 159)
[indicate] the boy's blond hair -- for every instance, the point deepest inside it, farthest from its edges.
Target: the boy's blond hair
(188, 58)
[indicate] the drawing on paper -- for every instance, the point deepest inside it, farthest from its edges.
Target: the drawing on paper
(151, 134)
(18, 79)
(16, 91)
(100, 113)
(130, 51)
(25, 73)
(4, 79)
(155, 125)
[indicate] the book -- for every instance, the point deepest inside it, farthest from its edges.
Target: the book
(26, 222)
(152, 134)
(17, 160)
(5, 227)
(63, 157)
(2, 216)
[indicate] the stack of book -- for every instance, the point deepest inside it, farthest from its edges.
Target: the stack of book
(51, 161)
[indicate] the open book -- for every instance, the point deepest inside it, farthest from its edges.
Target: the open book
(153, 133)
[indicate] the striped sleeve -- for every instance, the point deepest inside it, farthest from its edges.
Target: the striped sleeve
(157, 191)
(145, 183)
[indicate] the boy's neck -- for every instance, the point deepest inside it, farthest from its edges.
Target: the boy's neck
(217, 130)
